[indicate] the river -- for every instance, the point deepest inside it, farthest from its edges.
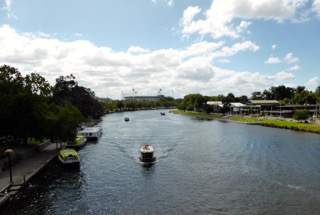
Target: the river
(202, 167)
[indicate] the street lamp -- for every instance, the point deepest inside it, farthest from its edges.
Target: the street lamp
(9, 152)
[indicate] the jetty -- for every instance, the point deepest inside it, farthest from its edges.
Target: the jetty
(30, 161)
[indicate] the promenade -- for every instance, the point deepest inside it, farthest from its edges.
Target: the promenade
(32, 162)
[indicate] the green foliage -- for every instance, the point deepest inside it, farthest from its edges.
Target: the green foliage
(301, 114)
(26, 111)
(66, 91)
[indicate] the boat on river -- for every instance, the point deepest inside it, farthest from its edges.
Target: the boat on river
(162, 113)
(126, 119)
(91, 133)
(69, 158)
(79, 142)
(147, 154)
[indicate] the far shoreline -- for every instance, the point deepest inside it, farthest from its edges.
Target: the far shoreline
(305, 126)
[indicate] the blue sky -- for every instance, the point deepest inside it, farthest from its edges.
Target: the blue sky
(210, 47)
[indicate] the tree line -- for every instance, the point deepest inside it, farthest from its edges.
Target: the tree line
(31, 107)
(285, 95)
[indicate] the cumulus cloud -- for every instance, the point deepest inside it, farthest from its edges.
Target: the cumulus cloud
(294, 68)
(283, 76)
(272, 60)
(169, 2)
(109, 72)
(289, 58)
(137, 49)
(316, 7)
(230, 17)
(7, 8)
(313, 83)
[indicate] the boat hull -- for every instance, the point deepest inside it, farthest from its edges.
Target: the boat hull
(91, 133)
(147, 155)
(148, 160)
(80, 142)
(69, 158)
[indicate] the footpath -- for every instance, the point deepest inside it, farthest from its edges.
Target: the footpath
(32, 162)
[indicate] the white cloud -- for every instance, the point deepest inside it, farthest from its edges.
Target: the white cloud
(313, 83)
(274, 46)
(273, 60)
(294, 68)
(289, 58)
(283, 76)
(237, 47)
(137, 49)
(108, 72)
(316, 7)
(169, 2)
(222, 19)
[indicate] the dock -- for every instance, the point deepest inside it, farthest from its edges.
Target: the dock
(31, 163)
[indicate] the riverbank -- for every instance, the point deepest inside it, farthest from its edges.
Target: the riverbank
(13, 179)
(283, 123)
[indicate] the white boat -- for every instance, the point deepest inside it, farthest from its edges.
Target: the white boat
(147, 155)
(91, 132)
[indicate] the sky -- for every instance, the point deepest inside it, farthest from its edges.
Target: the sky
(169, 47)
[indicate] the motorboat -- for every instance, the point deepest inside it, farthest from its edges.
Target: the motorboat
(79, 142)
(162, 113)
(147, 155)
(126, 119)
(91, 133)
(69, 158)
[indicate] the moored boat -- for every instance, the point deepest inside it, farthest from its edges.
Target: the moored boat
(162, 113)
(147, 154)
(126, 119)
(69, 158)
(91, 132)
(79, 142)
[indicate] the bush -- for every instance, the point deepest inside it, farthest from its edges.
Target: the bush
(301, 114)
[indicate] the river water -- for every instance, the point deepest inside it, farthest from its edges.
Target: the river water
(202, 167)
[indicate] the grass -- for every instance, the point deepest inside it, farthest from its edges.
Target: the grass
(276, 123)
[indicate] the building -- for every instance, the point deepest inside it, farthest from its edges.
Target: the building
(238, 108)
(143, 98)
(217, 105)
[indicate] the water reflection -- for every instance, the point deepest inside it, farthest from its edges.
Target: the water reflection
(202, 167)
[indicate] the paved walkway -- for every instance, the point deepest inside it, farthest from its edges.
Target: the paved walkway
(24, 170)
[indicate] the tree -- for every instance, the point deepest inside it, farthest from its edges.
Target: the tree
(301, 114)
(257, 96)
(303, 96)
(243, 99)
(66, 91)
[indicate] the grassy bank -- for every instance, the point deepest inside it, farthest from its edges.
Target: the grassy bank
(284, 124)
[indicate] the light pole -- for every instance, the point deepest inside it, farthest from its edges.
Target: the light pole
(9, 152)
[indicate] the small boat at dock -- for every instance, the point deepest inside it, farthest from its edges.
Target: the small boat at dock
(91, 133)
(79, 142)
(147, 154)
(69, 158)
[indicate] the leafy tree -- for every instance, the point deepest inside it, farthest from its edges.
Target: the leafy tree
(317, 94)
(243, 99)
(301, 114)
(257, 96)
(66, 91)
(303, 96)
